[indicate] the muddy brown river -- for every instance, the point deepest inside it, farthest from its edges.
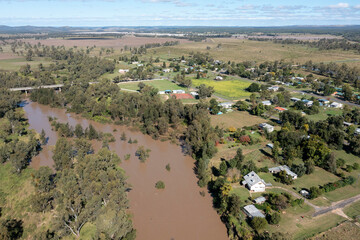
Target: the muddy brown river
(176, 212)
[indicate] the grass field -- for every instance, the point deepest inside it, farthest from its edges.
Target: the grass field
(15, 195)
(239, 50)
(161, 85)
(346, 230)
(14, 64)
(233, 89)
(235, 119)
(324, 113)
(353, 210)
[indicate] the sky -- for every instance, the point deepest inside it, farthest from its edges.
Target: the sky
(178, 12)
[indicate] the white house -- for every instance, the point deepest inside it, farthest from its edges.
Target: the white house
(219, 78)
(266, 103)
(309, 103)
(357, 131)
(336, 105)
(273, 88)
(324, 101)
(166, 70)
(123, 71)
(295, 99)
(267, 127)
(161, 92)
(194, 94)
(178, 91)
(135, 63)
(253, 182)
(226, 105)
(252, 211)
(283, 168)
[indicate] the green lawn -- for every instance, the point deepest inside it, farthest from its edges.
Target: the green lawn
(353, 210)
(233, 89)
(161, 85)
(323, 115)
(241, 191)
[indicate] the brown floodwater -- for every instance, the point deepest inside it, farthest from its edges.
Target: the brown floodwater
(176, 212)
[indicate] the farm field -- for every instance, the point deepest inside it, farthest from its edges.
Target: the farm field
(235, 119)
(14, 64)
(239, 50)
(161, 85)
(130, 41)
(234, 89)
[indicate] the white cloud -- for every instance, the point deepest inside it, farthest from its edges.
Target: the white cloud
(246, 7)
(339, 6)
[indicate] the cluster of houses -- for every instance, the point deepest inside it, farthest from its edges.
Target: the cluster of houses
(255, 184)
(322, 102)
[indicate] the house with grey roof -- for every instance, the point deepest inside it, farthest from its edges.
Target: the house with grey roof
(283, 168)
(252, 211)
(259, 200)
(253, 182)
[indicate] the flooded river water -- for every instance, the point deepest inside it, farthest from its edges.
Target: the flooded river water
(177, 212)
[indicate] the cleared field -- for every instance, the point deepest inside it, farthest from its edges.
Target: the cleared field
(104, 42)
(234, 89)
(239, 50)
(346, 230)
(235, 119)
(323, 115)
(161, 85)
(14, 64)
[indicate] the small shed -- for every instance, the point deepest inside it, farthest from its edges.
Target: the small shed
(252, 211)
(266, 103)
(259, 200)
(304, 193)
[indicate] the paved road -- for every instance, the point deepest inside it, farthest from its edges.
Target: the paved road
(340, 204)
(323, 210)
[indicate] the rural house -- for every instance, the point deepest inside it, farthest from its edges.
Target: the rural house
(252, 211)
(226, 105)
(336, 105)
(283, 168)
(267, 127)
(123, 71)
(253, 182)
(178, 91)
(266, 103)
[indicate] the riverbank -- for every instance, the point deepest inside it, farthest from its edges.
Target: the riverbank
(177, 212)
